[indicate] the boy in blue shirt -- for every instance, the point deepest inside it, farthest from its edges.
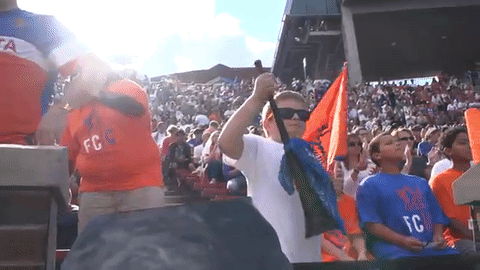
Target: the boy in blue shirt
(399, 213)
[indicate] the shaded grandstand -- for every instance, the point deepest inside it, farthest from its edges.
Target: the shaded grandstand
(311, 30)
(381, 39)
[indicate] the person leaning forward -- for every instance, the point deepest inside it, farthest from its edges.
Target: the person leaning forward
(110, 144)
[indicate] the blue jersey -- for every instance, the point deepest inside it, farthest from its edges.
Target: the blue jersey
(406, 205)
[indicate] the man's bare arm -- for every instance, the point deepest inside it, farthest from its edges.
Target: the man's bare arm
(91, 76)
(231, 137)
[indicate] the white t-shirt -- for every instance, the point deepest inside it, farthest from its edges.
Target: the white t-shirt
(197, 152)
(158, 137)
(260, 163)
(440, 167)
(349, 185)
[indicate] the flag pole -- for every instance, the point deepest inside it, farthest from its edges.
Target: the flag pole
(281, 126)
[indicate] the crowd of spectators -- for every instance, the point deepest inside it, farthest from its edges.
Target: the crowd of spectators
(200, 110)
(187, 119)
(380, 106)
(416, 116)
(439, 102)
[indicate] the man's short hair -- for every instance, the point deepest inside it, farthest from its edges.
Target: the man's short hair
(401, 129)
(430, 132)
(374, 146)
(172, 129)
(416, 128)
(180, 132)
(448, 137)
(198, 131)
(284, 95)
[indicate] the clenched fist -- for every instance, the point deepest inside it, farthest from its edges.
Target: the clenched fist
(265, 86)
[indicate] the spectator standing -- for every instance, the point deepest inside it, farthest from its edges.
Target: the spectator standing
(159, 133)
(170, 182)
(171, 132)
(35, 48)
(109, 141)
(259, 160)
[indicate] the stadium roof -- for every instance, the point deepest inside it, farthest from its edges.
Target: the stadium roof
(417, 43)
(312, 8)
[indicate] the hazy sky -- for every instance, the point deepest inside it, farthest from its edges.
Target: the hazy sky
(160, 37)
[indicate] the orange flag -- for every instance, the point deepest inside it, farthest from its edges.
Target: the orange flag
(328, 122)
(472, 118)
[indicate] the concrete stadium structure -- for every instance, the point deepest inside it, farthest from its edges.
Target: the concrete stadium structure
(311, 30)
(381, 39)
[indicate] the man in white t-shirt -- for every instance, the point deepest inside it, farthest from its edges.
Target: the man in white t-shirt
(259, 160)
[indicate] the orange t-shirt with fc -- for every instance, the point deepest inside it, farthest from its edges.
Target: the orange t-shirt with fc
(111, 150)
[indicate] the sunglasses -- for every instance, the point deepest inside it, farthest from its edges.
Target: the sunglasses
(352, 144)
(406, 139)
(289, 113)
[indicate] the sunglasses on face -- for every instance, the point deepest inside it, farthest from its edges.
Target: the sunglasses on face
(406, 139)
(289, 113)
(353, 144)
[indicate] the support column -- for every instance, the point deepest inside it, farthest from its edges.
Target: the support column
(351, 48)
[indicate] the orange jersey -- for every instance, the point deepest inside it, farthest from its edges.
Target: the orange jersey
(472, 118)
(348, 212)
(442, 189)
(113, 151)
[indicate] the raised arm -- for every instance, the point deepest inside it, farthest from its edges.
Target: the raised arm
(91, 75)
(231, 137)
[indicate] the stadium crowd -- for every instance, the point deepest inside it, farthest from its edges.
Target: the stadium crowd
(129, 140)
(416, 116)
(187, 118)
